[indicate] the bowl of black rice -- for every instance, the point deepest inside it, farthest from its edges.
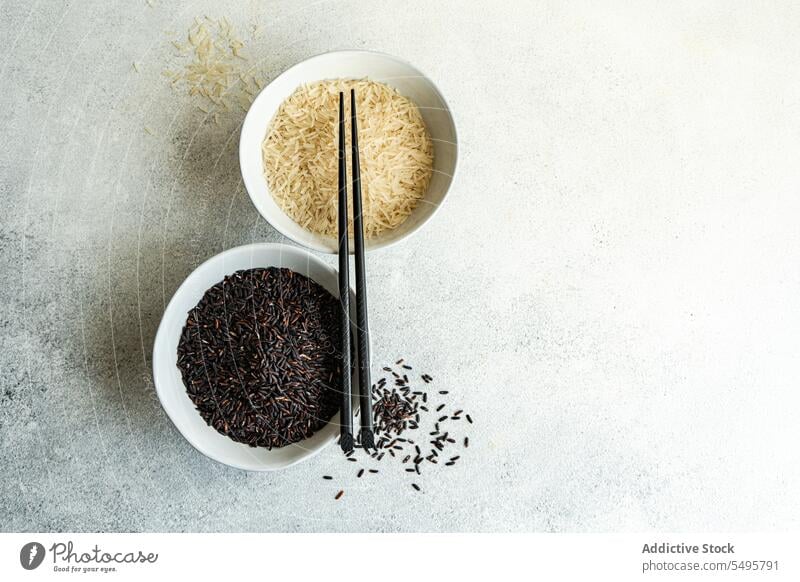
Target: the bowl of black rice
(247, 359)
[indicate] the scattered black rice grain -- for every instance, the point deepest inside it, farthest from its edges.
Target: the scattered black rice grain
(339, 495)
(398, 408)
(469, 419)
(260, 357)
(328, 477)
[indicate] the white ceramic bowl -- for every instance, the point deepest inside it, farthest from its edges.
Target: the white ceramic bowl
(350, 64)
(167, 377)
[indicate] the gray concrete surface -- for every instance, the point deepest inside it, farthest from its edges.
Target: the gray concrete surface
(612, 288)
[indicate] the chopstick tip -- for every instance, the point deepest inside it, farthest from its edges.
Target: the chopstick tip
(367, 439)
(346, 442)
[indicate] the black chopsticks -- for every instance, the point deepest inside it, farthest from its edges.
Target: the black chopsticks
(362, 324)
(346, 440)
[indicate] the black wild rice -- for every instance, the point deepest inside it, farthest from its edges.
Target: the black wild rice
(260, 357)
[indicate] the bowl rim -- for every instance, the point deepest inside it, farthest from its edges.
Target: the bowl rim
(158, 356)
(308, 244)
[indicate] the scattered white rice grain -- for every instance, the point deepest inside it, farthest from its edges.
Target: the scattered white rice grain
(214, 68)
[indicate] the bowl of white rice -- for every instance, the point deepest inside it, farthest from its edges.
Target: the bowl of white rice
(408, 148)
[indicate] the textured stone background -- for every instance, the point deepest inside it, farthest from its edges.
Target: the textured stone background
(612, 288)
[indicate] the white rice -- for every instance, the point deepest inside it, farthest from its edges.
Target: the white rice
(301, 157)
